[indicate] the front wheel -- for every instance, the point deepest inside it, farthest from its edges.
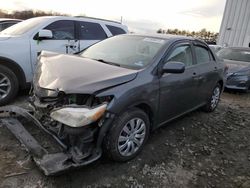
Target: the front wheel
(214, 99)
(8, 85)
(127, 136)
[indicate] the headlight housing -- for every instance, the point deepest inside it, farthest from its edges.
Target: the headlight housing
(78, 117)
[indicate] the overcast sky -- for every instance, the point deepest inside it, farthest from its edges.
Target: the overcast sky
(138, 15)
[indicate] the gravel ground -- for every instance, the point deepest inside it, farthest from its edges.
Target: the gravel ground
(198, 150)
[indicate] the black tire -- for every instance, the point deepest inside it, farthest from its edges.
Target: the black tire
(14, 85)
(209, 107)
(110, 144)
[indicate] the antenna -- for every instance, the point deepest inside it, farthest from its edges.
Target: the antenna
(121, 19)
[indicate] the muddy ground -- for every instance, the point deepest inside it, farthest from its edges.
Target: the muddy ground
(198, 150)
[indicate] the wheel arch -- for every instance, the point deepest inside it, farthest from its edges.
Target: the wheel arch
(221, 83)
(148, 110)
(12, 65)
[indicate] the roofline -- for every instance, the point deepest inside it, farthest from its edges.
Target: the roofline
(10, 19)
(166, 36)
(238, 48)
(98, 19)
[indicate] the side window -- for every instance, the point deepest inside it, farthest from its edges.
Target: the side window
(62, 30)
(115, 30)
(182, 54)
(91, 31)
(202, 55)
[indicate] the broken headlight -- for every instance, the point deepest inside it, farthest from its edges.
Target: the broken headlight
(78, 117)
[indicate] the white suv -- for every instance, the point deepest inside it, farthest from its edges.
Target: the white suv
(22, 43)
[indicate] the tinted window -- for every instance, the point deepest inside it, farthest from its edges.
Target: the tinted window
(234, 54)
(62, 30)
(202, 55)
(25, 26)
(91, 31)
(115, 30)
(6, 25)
(182, 54)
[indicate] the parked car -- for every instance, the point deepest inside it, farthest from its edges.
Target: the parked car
(215, 48)
(238, 62)
(7, 22)
(22, 43)
(113, 94)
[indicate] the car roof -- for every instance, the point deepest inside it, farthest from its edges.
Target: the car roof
(78, 18)
(9, 19)
(239, 48)
(168, 37)
(163, 36)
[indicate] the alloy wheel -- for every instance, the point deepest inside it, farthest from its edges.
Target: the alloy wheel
(215, 97)
(5, 86)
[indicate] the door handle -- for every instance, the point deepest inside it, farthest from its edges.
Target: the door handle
(71, 46)
(196, 77)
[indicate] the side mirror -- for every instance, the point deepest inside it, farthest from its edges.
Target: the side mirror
(173, 67)
(45, 34)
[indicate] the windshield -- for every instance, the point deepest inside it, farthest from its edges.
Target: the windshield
(23, 27)
(133, 52)
(234, 54)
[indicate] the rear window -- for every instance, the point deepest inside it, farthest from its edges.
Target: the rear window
(234, 54)
(115, 30)
(6, 25)
(24, 26)
(202, 55)
(91, 31)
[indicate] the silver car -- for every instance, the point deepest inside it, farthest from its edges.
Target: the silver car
(7, 22)
(238, 62)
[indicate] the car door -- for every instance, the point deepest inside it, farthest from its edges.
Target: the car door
(178, 92)
(89, 33)
(64, 39)
(207, 71)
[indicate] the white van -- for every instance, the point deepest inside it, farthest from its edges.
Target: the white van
(21, 44)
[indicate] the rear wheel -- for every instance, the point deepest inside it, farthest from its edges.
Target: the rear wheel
(8, 85)
(127, 136)
(214, 99)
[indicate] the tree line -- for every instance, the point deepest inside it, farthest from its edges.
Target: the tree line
(207, 36)
(26, 14)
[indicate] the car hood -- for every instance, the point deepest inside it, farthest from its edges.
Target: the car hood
(4, 37)
(236, 66)
(74, 74)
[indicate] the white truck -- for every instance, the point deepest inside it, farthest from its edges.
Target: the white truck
(21, 44)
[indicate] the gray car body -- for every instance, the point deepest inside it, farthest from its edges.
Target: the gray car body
(163, 96)
(234, 81)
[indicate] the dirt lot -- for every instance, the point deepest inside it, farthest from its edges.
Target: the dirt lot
(198, 150)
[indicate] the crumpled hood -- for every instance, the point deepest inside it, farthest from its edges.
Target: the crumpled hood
(74, 74)
(236, 66)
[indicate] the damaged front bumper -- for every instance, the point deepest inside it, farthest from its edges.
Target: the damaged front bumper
(50, 163)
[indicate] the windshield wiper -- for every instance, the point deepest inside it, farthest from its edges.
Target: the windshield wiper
(107, 62)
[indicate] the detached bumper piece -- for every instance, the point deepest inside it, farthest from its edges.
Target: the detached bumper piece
(49, 163)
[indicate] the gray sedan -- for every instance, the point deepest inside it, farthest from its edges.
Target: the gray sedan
(110, 97)
(238, 62)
